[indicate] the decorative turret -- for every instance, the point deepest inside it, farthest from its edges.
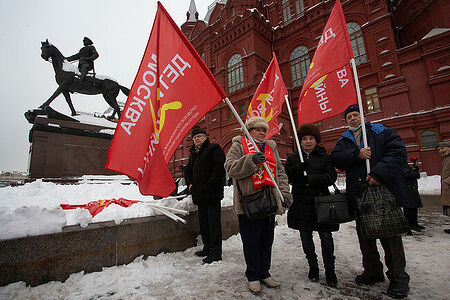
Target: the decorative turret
(192, 14)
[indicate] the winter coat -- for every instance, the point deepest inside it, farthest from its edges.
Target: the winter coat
(86, 56)
(320, 175)
(445, 181)
(386, 162)
(410, 176)
(241, 167)
(206, 173)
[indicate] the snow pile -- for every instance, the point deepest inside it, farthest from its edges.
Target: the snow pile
(33, 208)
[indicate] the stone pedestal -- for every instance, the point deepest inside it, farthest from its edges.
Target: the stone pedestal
(64, 148)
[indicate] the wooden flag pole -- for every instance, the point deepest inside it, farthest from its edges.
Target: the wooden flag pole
(236, 115)
(294, 129)
(361, 110)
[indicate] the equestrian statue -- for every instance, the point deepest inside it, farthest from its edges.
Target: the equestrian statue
(71, 79)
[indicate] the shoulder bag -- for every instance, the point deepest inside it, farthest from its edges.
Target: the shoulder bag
(260, 204)
(333, 209)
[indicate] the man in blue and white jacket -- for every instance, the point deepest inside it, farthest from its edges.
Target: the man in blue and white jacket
(387, 154)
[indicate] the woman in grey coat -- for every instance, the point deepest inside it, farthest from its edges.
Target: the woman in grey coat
(245, 167)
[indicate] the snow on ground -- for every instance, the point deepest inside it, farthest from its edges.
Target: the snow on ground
(33, 208)
(181, 275)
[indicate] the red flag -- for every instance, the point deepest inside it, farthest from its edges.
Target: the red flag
(329, 87)
(269, 97)
(172, 91)
(96, 207)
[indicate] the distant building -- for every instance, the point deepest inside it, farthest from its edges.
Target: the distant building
(402, 49)
(12, 178)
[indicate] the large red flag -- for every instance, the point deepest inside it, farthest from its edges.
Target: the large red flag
(269, 97)
(172, 91)
(329, 87)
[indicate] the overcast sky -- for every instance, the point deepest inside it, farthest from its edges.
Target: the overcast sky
(119, 30)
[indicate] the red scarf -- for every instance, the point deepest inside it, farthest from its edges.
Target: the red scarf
(261, 178)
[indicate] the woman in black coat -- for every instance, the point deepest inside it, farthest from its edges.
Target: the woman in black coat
(301, 215)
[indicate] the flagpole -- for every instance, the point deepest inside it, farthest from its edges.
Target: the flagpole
(300, 154)
(227, 101)
(361, 110)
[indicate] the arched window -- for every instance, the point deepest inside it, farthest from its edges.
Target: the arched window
(356, 38)
(286, 10)
(299, 65)
(235, 74)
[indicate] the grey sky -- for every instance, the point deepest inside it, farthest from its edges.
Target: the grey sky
(119, 30)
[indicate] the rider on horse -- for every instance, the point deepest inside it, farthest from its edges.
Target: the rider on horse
(85, 57)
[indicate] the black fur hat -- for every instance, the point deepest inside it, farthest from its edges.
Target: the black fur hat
(309, 129)
(197, 130)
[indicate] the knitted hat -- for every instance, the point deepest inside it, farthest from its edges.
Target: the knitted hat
(197, 130)
(443, 144)
(349, 109)
(256, 122)
(309, 129)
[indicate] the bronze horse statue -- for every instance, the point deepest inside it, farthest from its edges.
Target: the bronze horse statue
(69, 82)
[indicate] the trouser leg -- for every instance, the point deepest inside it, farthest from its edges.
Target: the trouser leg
(410, 215)
(257, 239)
(215, 228)
(203, 221)
(308, 247)
(370, 257)
(327, 243)
(267, 237)
(395, 259)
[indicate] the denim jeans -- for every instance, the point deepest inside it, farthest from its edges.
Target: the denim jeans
(327, 244)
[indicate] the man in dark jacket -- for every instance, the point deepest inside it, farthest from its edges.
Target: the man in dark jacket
(85, 57)
(205, 178)
(387, 154)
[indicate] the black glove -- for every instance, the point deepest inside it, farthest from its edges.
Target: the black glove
(258, 158)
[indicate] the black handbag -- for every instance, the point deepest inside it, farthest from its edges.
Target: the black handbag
(333, 209)
(378, 216)
(260, 204)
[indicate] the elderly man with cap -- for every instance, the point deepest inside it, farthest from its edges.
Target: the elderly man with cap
(205, 178)
(387, 154)
(245, 165)
(85, 57)
(444, 150)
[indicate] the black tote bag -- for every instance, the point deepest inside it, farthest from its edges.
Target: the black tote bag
(333, 209)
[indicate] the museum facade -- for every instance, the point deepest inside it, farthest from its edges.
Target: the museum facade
(402, 52)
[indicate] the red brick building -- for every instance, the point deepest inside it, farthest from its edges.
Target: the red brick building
(402, 49)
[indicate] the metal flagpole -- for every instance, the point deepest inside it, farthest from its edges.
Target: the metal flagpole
(361, 110)
(227, 101)
(300, 154)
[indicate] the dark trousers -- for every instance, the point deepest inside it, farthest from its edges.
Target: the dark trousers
(84, 69)
(327, 244)
(257, 239)
(209, 219)
(394, 258)
(411, 215)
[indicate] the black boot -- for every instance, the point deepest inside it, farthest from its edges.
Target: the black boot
(398, 290)
(313, 274)
(366, 278)
(331, 278)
